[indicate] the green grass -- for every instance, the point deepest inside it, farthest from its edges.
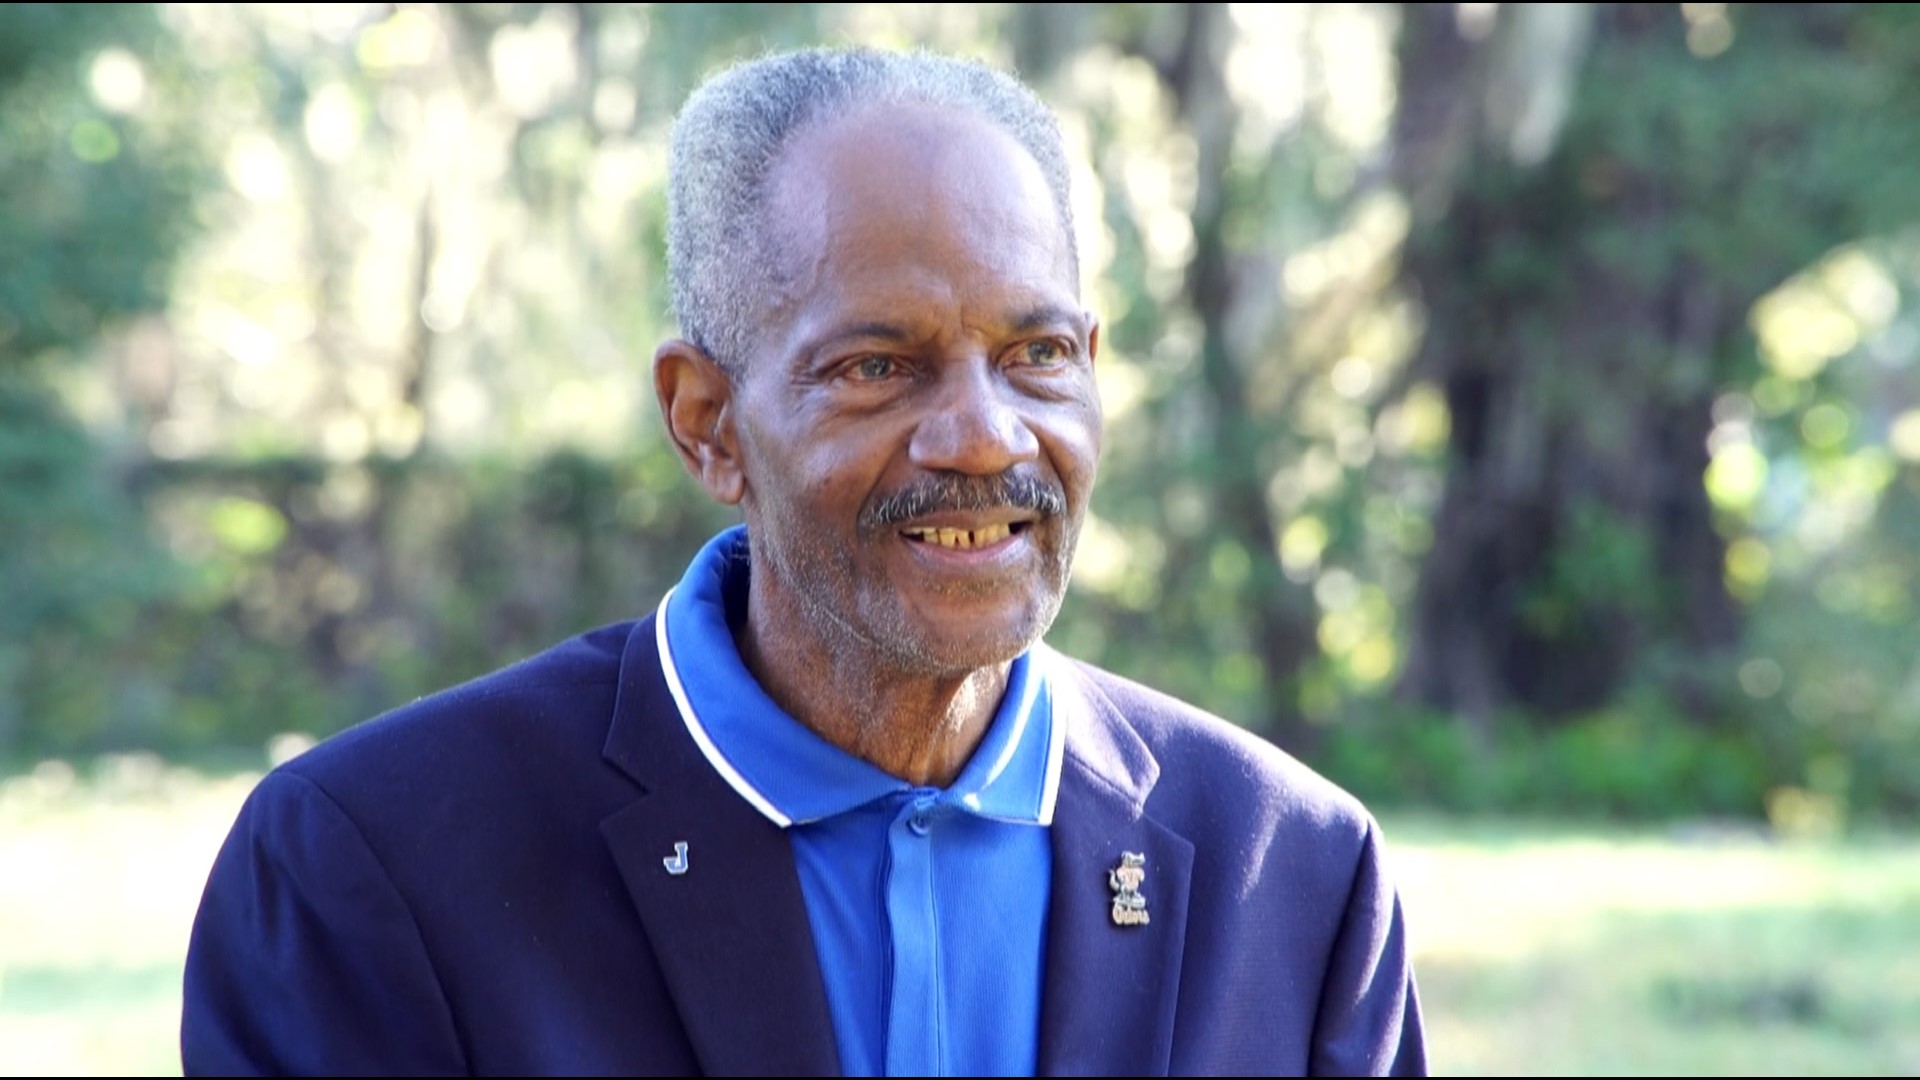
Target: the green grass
(1540, 948)
(1701, 951)
(99, 877)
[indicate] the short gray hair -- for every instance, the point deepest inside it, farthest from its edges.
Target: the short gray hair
(730, 135)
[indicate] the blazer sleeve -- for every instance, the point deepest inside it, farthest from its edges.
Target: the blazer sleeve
(305, 958)
(1369, 1018)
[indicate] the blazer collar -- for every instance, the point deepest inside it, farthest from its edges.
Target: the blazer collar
(1107, 1006)
(736, 948)
(730, 931)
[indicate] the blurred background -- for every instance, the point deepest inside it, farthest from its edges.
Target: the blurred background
(1513, 410)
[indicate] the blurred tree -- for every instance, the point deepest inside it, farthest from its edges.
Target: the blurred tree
(1600, 194)
(1227, 142)
(1223, 286)
(92, 201)
(93, 207)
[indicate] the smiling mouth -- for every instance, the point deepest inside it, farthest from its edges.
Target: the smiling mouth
(964, 539)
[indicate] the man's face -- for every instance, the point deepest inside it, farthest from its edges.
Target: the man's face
(918, 425)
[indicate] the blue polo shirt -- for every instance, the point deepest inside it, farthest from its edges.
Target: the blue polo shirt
(928, 905)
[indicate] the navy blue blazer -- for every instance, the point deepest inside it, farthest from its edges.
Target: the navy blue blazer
(475, 884)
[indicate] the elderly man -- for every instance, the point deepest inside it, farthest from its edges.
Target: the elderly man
(832, 807)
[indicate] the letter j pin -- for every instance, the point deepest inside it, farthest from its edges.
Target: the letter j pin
(676, 863)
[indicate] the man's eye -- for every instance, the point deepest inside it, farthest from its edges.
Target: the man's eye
(874, 368)
(1044, 353)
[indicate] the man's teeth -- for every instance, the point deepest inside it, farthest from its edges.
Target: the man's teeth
(963, 539)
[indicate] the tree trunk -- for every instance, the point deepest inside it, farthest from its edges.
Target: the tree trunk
(1281, 616)
(1583, 313)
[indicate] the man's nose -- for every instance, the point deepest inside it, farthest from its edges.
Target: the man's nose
(972, 424)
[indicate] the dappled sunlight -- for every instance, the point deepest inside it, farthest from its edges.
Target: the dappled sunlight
(1119, 564)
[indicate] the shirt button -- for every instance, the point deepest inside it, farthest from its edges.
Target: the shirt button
(921, 820)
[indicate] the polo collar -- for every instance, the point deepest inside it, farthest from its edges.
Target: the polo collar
(793, 776)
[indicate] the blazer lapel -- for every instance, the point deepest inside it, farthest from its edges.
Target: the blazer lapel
(1111, 990)
(730, 929)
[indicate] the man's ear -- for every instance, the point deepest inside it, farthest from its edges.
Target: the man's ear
(696, 401)
(1093, 337)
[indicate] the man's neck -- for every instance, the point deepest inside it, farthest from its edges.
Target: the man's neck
(921, 728)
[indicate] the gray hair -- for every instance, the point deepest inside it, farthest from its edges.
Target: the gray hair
(730, 135)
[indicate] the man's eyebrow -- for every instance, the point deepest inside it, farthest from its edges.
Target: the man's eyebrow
(885, 331)
(1038, 318)
(860, 331)
(1047, 315)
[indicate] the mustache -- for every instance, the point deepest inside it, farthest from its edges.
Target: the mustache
(966, 494)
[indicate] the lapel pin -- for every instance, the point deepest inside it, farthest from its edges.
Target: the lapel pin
(1129, 907)
(676, 863)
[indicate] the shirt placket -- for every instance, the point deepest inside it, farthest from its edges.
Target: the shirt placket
(913, 1008)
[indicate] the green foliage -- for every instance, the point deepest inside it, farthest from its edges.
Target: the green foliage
(63, 531)
(1602, 564)
(99, 201)
(73, 569)
(316, 596)
(1807, 731)
(98, 198)
(1638, 761)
